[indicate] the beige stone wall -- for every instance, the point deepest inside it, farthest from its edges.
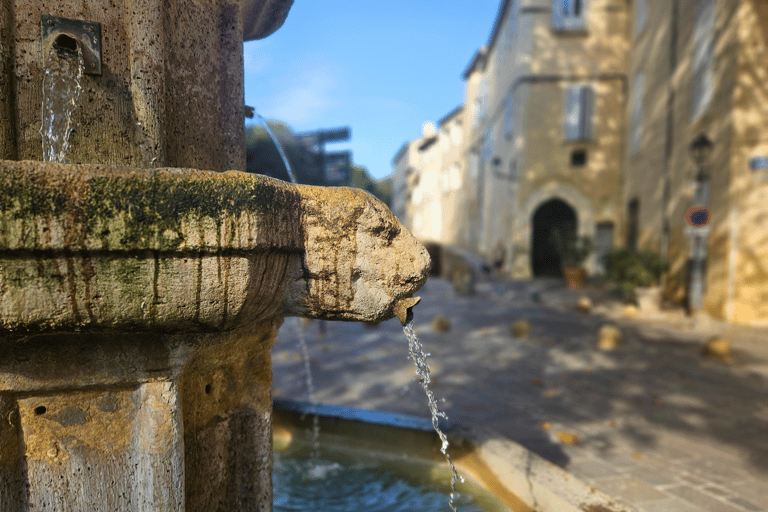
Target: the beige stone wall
(734, 119)
(453, 180)
(748, 215)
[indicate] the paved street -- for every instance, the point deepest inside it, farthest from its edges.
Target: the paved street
(652, 423)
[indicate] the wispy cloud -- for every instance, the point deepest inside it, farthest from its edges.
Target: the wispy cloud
(256, 57)
(307, 97)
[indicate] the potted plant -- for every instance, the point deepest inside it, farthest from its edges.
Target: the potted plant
(573, 250)
(637, 275)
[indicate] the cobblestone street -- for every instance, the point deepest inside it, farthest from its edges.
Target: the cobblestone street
(653, 423)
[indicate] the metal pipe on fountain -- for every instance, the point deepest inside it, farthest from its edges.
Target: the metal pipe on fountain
(66, 35)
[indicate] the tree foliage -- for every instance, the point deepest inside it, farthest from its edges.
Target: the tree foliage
(262, 157)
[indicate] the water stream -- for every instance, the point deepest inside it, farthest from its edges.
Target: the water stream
(418, 356)
(278, 146)
(416, 353)
(61, 90)
(299, 326)
(310, 391)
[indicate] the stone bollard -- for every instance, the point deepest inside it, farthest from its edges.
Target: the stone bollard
(718, 348)
(584, 304)
(521, 328)
(441, 324)
(608, 337)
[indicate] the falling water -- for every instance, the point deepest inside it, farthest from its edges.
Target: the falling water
(278, 146)
(422, 369)
(299, 326)
(310, 391)
(61, 89)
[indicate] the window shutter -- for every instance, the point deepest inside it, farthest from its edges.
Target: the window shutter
(636, 132)
(702, 76)
(587, 100)
(509, 118)
(571, 128)
(641, 15)
(558, 14)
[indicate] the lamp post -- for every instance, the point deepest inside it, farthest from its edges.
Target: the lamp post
(700, 151)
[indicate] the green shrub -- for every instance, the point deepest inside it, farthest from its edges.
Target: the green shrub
(572, 249)
(629, 269)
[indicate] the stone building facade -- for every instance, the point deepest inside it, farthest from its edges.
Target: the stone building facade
(699, 68)
(582, 113)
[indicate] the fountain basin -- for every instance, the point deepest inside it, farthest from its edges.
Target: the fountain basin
(503, 474)
(91, 247)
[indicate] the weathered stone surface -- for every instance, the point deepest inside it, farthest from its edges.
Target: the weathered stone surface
(179, 250)
(171, 91)
(165, 421)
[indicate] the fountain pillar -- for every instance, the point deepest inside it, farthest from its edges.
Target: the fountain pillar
(139, 296)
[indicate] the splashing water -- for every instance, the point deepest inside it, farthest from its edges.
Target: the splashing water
(278, 146)
(310, 392)
(61, 90)
(416, 351)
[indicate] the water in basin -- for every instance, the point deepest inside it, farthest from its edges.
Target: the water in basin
(338, 483)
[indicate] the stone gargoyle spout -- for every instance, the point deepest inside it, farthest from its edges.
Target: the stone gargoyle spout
(171, 250)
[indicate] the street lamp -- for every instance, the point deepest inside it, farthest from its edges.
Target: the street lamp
(701, 150)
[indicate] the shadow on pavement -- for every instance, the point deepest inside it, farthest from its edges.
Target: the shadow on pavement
(651, 386)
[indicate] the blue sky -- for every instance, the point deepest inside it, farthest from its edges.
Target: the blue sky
(382, 67)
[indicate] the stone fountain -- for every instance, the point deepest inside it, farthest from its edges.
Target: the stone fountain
(142, 285)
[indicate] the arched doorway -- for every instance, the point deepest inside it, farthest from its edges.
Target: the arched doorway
(550, 215)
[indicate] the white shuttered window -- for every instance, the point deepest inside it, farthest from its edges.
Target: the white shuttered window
(702, 80)
(579, 101)
(569, 15)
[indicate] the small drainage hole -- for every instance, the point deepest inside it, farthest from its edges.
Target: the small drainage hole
(40, 410)
(207, 389)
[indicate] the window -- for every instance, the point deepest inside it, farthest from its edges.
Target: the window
(578, 112)
(579, 157)
(512, 18)
(633, 223)
(603, 243)
(641, 16)
(568, 15)
(636, 131)
(702, 78)
(485, 154)
(509, 117)
(482, 101)
(473, 165)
